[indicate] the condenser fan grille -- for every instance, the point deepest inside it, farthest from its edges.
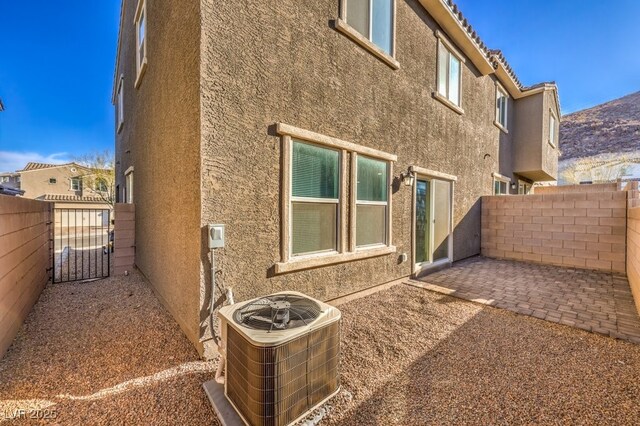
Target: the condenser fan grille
(277, 312)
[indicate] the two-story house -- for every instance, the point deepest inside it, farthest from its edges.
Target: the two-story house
(343, 143)
(66, 185)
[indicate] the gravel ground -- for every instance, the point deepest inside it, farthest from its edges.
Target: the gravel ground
(104, 352)
(72, 264)
(415, 357)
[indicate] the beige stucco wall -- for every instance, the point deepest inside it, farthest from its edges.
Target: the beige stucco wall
(199, 133)
(35, 183)
(577, 229)
(534, 157)
(287, 64)
(160, 138)
(24, 261)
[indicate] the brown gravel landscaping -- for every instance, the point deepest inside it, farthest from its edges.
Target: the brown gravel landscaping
(104, 352)
(411, 356)
(107, 352)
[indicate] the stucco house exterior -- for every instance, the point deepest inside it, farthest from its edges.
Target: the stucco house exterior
(65, 185)
(343, 144)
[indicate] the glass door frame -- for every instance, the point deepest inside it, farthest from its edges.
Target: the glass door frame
(430, 175)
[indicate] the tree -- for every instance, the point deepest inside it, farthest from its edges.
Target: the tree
(99, 179)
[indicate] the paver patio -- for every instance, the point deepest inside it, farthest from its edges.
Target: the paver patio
(589, 300)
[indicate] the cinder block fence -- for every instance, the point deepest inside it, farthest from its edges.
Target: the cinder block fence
(633, 243)
(124, 238)
(25, 261)
(583, 227)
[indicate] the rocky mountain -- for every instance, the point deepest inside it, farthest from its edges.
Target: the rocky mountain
(610, 128)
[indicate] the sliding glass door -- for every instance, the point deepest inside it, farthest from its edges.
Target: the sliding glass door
(432, 222)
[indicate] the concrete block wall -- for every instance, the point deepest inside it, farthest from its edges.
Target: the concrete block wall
(633, 242)
(124, 238)
(599, 187)
(580, 229)
(25, 261)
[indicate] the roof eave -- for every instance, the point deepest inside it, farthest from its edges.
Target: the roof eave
(117, 62)
(459, 36)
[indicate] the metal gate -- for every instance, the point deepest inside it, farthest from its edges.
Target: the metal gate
(82, 244)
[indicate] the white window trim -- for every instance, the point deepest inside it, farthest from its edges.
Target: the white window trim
(141, 66)
(342, 26)
(120, 104)
(355, 202)
(346, 250)
(444, 43)
(78, 179)
(504, 127)
(555, 129)
(524, 184)
(497, 177)
(421, 172)
(128, 191)
(311, 200)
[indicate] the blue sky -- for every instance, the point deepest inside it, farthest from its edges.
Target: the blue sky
(56, 64)
(56, 70)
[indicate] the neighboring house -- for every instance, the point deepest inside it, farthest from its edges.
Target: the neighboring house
(602, 143)
(340, 151)
(63, 184)
(10, 180)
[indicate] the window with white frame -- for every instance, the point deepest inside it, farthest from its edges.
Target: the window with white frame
(315, 199)
(553, 129)
(128, 187)
(500, 184)
(524, 188)
(502, 105)
(76, 184)
(374, 19)
(101, 185)
(120, 104)
(371, 202)
(449, 74)
(141, 38)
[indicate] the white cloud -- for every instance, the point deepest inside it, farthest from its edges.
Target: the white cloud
(11, 161)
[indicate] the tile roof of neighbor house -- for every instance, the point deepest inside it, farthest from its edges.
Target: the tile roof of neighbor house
(38, 166)
(74, 198)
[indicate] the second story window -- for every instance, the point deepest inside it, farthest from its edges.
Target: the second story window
(449, 74)
(553, 129)
(141, 39)
(53, 181)
(101, 185)
(374, 20)
(315, 199)
(76, 184)
(502, 104)
(119, 105)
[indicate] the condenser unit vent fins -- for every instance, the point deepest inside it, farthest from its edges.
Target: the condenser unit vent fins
(273, 386)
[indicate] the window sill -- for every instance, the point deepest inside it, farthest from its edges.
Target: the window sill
(448, 103)
(332, 259)
(501, 127)
(141, 71)
(354, 35)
